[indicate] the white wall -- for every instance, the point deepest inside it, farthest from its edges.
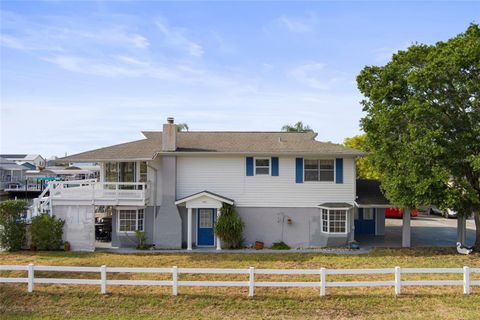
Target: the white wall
(226, 176)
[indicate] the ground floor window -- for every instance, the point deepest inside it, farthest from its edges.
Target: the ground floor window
(130, 220)
(334, 221)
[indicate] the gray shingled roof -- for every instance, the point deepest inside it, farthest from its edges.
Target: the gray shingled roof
(219, 142)
(369, 193)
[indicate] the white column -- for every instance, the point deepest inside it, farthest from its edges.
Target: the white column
(219, 245)
(406, 232)
(189, 229)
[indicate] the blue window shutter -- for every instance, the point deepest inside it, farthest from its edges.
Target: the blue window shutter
(275, 166)
(249, 166)
(299, 170)
(339, 170)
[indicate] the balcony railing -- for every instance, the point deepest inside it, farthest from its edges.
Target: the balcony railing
(113, 192)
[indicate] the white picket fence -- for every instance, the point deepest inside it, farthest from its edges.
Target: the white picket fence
(322, 284)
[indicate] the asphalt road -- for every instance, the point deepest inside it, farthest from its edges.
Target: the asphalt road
(427, 231)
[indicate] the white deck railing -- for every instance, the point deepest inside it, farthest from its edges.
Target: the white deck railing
(397, 283)
(94, 190)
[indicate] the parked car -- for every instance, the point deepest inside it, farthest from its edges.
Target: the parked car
(398, 213)
(449, 213)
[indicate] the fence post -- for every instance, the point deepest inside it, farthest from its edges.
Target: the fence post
(251, 281)
(175, 280)
(103, 279)
(30, 277)
(398, 280)
(466, 280)
(323, 281)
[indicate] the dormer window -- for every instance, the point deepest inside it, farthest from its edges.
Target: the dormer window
(262, 166)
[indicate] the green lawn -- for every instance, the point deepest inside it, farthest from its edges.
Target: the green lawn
(73, 301)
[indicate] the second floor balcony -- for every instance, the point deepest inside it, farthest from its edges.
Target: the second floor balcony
(99, 193)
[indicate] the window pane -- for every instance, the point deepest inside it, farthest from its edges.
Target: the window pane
(311, 175)
(205, 218)
(262, 170)
(111, 172)
(311, 164)
(143, 171)
(326, 164)
(326, 175)
(368, 214)
(262, 162)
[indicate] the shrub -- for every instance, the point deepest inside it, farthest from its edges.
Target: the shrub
(229, 227)
(47, 232)
(141, 240)
(280, 246)
(12, 226)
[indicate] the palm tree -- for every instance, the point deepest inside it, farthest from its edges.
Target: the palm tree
(297, 127)
(182, 127)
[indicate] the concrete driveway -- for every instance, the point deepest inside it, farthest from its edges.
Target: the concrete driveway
(427, 231)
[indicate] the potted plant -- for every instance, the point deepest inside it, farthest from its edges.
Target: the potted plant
(66, 246)
(259, 245)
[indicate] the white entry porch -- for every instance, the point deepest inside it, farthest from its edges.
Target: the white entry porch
(205, 208)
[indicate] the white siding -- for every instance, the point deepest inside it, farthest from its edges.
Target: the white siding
(227, 177)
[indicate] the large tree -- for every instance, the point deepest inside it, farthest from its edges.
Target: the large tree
(365, 167)
(423, 124)
(297, 127)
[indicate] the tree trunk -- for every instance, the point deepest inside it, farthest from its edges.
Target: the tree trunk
(476, 216)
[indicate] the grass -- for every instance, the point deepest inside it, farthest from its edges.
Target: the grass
(63, 301)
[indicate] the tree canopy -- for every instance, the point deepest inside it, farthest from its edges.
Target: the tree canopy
(182, 127)
(423, 124)
(365, 167)
(297, 127)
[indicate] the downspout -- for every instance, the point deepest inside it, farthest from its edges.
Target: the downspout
(154, 196)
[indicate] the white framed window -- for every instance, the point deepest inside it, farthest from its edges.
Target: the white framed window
(131, 220)
(334, 221)
(205, 218)
(368, 214)
(319, 170)
(262, 166)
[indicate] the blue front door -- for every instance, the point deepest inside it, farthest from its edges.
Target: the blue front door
(365, 222)
(205, 221)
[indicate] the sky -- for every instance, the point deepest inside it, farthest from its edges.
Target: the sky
(75, 76)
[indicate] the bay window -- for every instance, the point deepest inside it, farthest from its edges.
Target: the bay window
(334, 221)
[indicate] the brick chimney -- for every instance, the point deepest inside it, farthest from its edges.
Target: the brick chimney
(169, 135)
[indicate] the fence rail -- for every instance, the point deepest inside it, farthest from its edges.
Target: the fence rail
(397, 283)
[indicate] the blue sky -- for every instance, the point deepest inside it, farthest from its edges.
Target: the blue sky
(81, 75)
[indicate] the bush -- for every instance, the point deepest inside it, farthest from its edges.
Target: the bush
(47, 232)
(280, 246)
(229, 227)
(12, 226)
(141, 240)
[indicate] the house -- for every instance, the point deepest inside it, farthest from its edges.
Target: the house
(35, 160)
(172, 185)
(11, 173)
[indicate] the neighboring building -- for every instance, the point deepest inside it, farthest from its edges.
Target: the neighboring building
(172, 185)
(11, 173)
(34, 159)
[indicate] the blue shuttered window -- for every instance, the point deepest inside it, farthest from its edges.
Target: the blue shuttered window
(249, 169)
(339, 170)
(275, 170)
(299, 170)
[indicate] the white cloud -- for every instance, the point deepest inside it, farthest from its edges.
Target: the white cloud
(297, 24)
(177, 37)
(317, 75)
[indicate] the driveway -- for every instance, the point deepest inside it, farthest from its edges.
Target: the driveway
(427, 231)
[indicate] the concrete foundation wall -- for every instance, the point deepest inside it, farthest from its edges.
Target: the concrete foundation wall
(79, 228)
(270, 225)
(127, 239)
